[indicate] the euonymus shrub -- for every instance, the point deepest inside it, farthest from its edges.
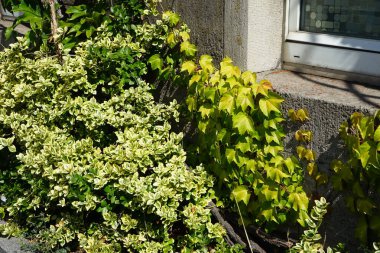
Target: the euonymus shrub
(88, 158)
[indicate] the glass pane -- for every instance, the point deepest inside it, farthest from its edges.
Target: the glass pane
(354, 18)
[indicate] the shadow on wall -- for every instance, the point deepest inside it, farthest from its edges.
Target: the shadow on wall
(352, 88)
(205, 18)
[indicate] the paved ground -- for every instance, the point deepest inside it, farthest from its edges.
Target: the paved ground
(12, 245)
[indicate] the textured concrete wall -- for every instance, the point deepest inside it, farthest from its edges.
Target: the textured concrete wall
(236, 31)
(205, 18)
(265, 34)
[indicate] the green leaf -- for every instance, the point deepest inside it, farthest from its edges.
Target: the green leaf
(374, 223)
(210, 93)
(298, 201)
(156, 62)
(8, 33)
(312, 169)
(268, 105)
(171, 40)
(172, 17)
(243, 122)
(364, 206)
(188, 66)
(376, 136)
(188, 48)
(231, 155)
(248, 77)
(361, 229)
(227, 102)
(206, 110)
(267, 214)
(244, 100)
(243, 145)
(363, 153)
(241, 193)
(206, 63)
(270, 194)
(276, 174)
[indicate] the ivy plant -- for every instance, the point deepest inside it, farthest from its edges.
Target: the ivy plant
(240, 142)
(359, 176)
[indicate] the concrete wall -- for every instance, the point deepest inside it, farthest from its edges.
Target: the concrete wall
(236, 31)
(205, 18)
(265, 34)
(248, 31)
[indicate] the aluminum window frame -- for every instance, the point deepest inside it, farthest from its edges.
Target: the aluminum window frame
(357, 55)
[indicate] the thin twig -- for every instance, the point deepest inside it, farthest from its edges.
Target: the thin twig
(242, 221)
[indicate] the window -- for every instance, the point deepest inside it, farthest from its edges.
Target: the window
(334, 34)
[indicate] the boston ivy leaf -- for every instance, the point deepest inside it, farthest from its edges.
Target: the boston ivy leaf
(364, 206)
(244, 100)
(206, 110)
(363, 153)
(156, 62)
(248, 77)
(268, 105)
(270, 194)
(243, 122)
(276, 174)
(206, 63)
(243, 145)
(231, 155)
(189, 66)
(376, 136)
(298, 200)
(227, 102)
(171, 40)
(188, 48)
(172, 17)
(361, 229)
(210, 93)
(241, 193)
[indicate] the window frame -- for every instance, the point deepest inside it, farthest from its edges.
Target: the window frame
(349, 54)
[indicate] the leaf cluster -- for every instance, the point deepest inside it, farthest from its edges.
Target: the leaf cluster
(360, 175)
(240, 142)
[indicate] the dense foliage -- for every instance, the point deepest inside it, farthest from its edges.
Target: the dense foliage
(360, 175)
(88, 157)
(240, 142)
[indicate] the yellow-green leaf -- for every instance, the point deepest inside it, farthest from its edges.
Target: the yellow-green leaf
(206, 110)
(189, 66)
(171, 40)
(243, 122)
(188, 48)
(227, 102)
(206, 63)
(298, 201)
(156, 62)
(276, 174)
(184, 35)
(268, 105)
(376, 136)
(241, 193)
(248, 77)
(244, 100)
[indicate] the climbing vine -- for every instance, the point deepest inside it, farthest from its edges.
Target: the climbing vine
(240, 142)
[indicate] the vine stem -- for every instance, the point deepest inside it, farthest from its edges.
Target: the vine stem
(54, 29)
(245, 230)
